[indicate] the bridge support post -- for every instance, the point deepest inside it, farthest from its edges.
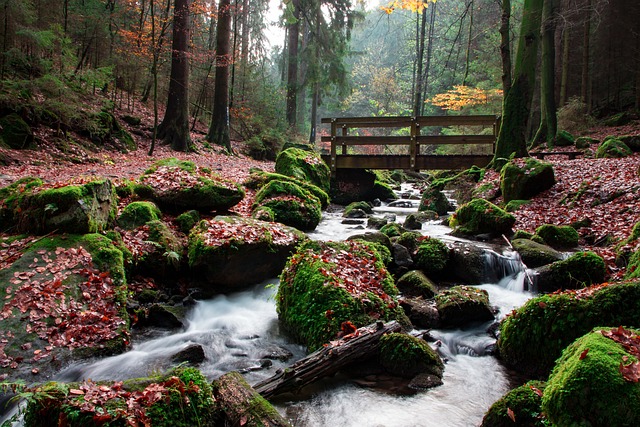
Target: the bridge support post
(413, 146)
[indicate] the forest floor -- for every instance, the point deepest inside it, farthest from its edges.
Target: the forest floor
(604, 191)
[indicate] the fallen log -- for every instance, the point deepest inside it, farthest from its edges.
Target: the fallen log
(362, 343)
(242, 406)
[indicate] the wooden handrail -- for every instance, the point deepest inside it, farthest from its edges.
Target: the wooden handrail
(413, 140)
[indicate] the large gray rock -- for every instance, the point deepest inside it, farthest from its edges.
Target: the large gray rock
(535, 254)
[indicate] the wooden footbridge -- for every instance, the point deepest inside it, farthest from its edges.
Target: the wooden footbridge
(357, 143)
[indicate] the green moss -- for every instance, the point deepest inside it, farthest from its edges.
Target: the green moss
(409, 240)
(514, 205)
(408, 356)
(525, 403)
(534, 254)
(415, 283)
(564, 139)
(382, 191)
(613, 148)
(619, 119)
(480, 216)
(432, 256)
(522, 181)
(579, 270)
(172, 162)
(558, 236)
(16, 133)
(259, 178)
(136, 214)
(434, 200)
(521, 234)
(187, 220)
(633, 267)
(126, 188)
(304, 165)
(363, 206)
(463, 304)
(586, 387)
(313, 301)
(12, 197)
(585, 142)
(533, 336)
(263, 213)
(393, 229)
(303, 214)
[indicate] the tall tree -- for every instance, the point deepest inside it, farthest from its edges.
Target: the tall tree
(174, 128)
(219, 129)
(293, 33)
(512, 139)
(548, 122)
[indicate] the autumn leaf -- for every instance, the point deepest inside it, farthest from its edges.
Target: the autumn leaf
(511, 414)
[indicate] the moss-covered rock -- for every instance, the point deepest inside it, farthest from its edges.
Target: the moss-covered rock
(521, 179)
(633, 267)
(480, 216)
(434, 200)
(393, 229)
(525, 404)
(221, 249)
(585, 142)
(291, 205)
(410, 240)
(16, 133)
(107, 130)
(361, 206)
(534, 254)
(432, 255)
(467, 263)
(564, 139)
(259, 178)
(136, 214)
(631, 141)
(156, 249)
(587, 386)
(373, 237)
(182, 397)
(613, 148)
(326, 284)
(178, 185)
(619, 119)
(64, 298)
(533, 336)
(75, 209)
(461, 305)
(407, 356)
(558, 236)
(264, 213)
(304, 165)
(514, 205)
(12, 197)
(187, 220)
(416, 284)
(579, 270)
(381, 191)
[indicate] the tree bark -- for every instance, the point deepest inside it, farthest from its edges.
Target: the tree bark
(219, 129)
(417, 99)
(174, 129)
(512, 139)
(586, 38)
(292, 65)
(243, 406)
(505, 46)
(564, 81)
(548, 123)
(328, 360)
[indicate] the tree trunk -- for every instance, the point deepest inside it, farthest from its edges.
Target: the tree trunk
(314, 112)
(243, 406)
(505, 46)
(219, 129)
(292, 65)
(564, 81)
(427, 66)
(512, 139)
(468, 53)
(417, 100)
(328, 360)
(586, 38)
(549, 123)
(174, 129)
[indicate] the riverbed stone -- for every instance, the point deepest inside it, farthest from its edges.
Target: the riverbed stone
(558, 236)
(588, 385)
(466, 263)
(180, 185)
(407, 356)
(579, 270)
(373, 237)
(291, 204)
(193, 354)
(461, 305)
(259, 178)
(422, 313)
(524, 404)
(304, 165)
(480, 216)
(401, 256)
(376, 222)
(534, 335)
(535, 254)
(220, 250)
(416, 284)
(434, 200)
(162, 316)
(431, 256)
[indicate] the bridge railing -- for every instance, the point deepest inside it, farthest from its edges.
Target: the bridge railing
(341, 138)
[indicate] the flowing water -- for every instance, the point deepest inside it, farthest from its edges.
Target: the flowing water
(240, 332)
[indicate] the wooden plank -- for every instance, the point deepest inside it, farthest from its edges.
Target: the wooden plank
(406, 140)
(423, 161)
(457, 139)
(479, 120)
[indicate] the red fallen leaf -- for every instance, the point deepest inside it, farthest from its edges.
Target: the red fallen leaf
(511, 415)
(584, 354)
(542, 304)
(536, 391)
(35, 371)
(76, 392)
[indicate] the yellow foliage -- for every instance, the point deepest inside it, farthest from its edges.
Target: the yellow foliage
(412, 5)
(464, 96)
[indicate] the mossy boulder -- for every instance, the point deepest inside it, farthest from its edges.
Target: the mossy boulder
(579, 270)
(564, 139)
(533, 336)
(631, 141)
(181, 397)
(107, 130)
(393, 229)
(12, 196)
(156, 249)
(304, 165)
(633, 267)
(64, 298)
(416, 284)
(178, 185)
(521, 179)
(16, 133)
(431, 256)
(407, 356)
(259, 178)
(558, 236)
(587, 385)
(373, 237)
(76, 209)
(525, 404)
(291, 204)
(221, 249)
(327, 284)
(467, 263)
(365, 207)
(613, 148)
(619, 119)
(434, 200)
(514, 205)
(534, 254)
(187, 220)
(585, 142)
(480, 216)
(461, 305)
(136, 214)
